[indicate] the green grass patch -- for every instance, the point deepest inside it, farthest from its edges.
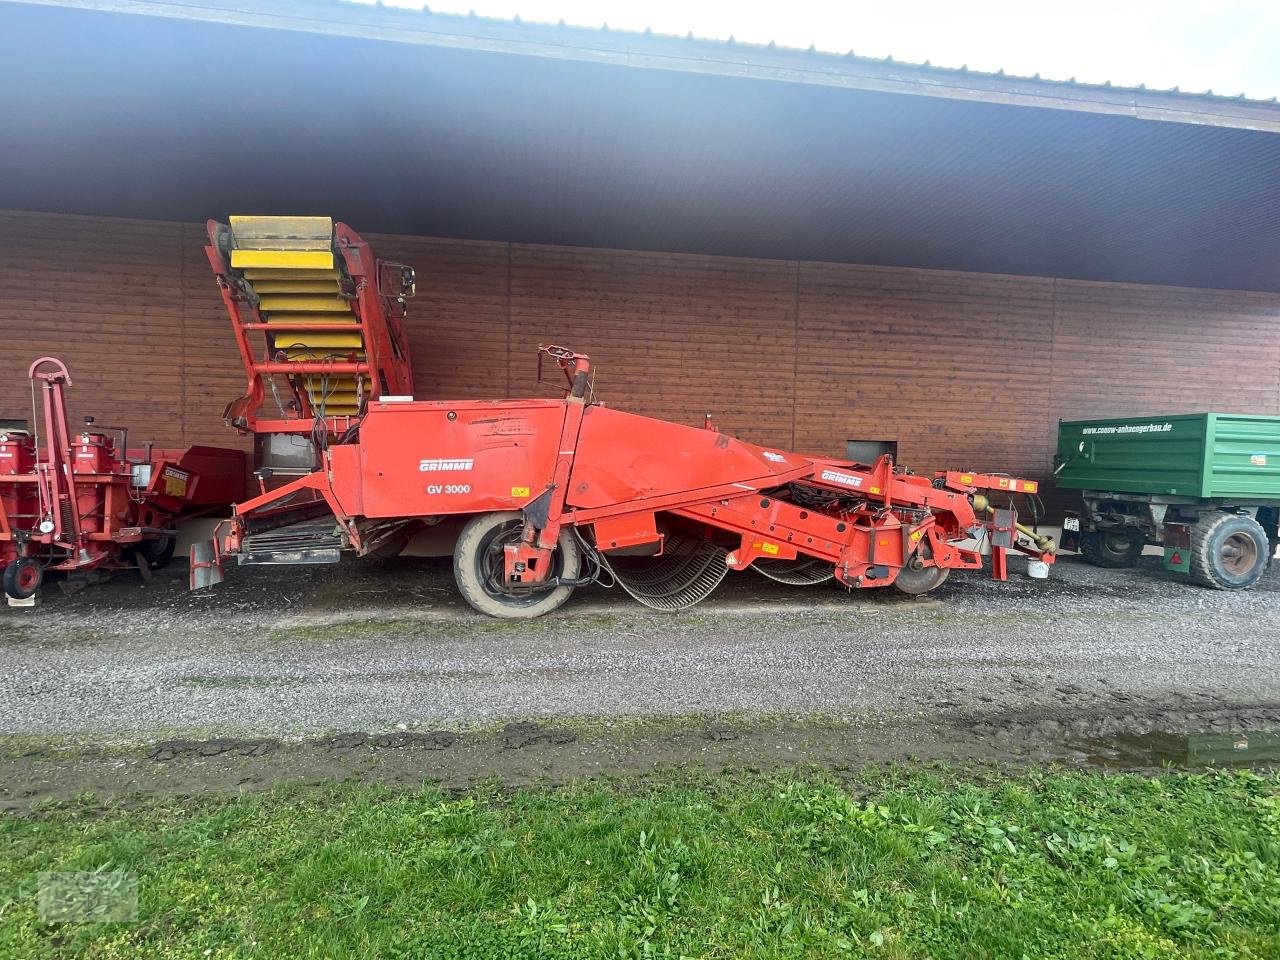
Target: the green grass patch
(1043, 865)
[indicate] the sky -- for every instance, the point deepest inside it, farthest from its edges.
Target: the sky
(1229, 46)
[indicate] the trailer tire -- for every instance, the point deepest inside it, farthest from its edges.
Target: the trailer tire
(23, 577)
(1228, 551)
(477, 567)
(1113, 548)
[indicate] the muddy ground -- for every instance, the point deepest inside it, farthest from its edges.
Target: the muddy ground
(379, 672)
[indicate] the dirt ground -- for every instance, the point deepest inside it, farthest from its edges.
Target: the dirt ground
(378, 671)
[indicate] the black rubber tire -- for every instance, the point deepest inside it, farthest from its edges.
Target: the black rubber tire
(479, 547)
(1113, 548)
(1216, 563)
(23, 577)
(158, 552)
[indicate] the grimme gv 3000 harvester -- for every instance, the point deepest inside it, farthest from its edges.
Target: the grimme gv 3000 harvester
(558, 492)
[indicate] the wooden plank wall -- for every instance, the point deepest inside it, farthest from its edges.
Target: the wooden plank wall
(966, 370)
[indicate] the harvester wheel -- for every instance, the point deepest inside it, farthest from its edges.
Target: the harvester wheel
(157, 553)
(478, 563)
(1119, 547)
(23, 577)
(1228, 551)
(917, 580)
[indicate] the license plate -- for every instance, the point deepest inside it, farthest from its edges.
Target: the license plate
(1071, 523)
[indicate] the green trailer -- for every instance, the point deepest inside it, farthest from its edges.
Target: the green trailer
(1205, 486)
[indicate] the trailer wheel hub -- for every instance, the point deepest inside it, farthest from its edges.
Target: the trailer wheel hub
(1239, 554)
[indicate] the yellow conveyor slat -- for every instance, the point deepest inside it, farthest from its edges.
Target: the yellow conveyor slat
(319, 319)
(293, 351)
(302, 303)
(254, 275)
(320, 341)
(283, 259)
(264, 287)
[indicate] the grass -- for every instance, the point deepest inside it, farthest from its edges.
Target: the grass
(1038, 865)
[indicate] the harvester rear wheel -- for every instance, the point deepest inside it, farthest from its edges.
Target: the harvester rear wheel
(478, 567)
(23, 577)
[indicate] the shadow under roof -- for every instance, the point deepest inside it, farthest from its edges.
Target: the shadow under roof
(403, 121)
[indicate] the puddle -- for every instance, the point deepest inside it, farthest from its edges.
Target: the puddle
(1187, 750)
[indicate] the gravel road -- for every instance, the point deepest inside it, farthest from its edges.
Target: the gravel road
(283, 651)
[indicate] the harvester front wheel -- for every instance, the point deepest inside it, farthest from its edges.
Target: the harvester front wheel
(478, 568)
(157, 553)
(917, 580)
(23, 577)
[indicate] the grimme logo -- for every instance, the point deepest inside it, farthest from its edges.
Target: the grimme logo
(438, 465)
(835, 476)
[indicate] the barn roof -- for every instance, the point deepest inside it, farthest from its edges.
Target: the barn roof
(409, 121)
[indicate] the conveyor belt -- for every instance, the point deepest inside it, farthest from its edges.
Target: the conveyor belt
(684, 575)
(289, 265)
(802, 572)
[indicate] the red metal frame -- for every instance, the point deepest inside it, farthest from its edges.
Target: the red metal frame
(77, 501)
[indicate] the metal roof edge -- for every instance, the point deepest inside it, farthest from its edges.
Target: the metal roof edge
(689, 55)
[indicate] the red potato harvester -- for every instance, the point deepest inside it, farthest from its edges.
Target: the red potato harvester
(87, 502)
(559, 492)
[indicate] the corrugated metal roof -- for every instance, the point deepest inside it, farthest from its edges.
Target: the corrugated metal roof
(496, 130)
(590, 33)
(650, 50)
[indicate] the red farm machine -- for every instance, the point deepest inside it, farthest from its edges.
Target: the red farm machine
(556, 493)
(85, 501)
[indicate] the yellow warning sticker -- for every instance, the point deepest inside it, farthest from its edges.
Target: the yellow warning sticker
(1030, 486)
(875, 490)
(175, 482)
(966, 478)
(519, 491)
(767, 547)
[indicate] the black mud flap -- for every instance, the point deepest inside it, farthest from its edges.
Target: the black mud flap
(1070, 539)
